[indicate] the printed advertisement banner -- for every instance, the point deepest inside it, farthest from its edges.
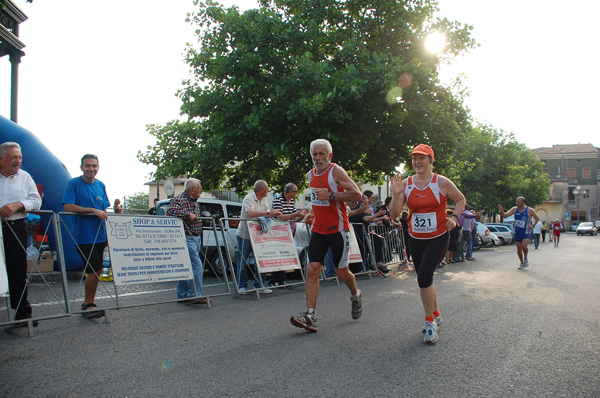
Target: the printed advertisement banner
(274, 250)
(147, 249)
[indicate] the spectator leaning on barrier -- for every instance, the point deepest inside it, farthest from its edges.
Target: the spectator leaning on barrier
(18, 195)
(254, 205)
(373, 218)
(285, 203)
(185, 206)
(86, 194)
(331, 188)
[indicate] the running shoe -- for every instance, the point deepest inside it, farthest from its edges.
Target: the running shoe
(438, 321)
(306, 321)
(431, 335)
(357, 306)
(525, 263)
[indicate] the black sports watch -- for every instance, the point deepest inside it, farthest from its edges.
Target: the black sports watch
(332, 196)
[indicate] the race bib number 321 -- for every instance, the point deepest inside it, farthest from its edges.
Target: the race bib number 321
(424, 222)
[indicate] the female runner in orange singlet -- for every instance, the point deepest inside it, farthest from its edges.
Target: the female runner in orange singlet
(425, 194)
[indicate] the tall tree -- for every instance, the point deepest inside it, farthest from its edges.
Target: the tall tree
(268, 81)
(495, 169)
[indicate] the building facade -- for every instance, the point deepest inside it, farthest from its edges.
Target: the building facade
(574, 183)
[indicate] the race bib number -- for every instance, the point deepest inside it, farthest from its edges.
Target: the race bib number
(424, 222)
(520, 223)
(315, 201)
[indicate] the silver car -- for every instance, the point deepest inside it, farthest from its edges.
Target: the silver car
(502, 232)
(487, 238)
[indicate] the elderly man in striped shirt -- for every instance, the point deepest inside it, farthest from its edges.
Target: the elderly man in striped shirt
(286, 204)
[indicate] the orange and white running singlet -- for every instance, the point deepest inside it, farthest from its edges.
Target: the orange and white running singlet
(427, 208)
(330, 215)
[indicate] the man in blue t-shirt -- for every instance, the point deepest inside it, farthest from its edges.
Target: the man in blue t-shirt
(87, 195)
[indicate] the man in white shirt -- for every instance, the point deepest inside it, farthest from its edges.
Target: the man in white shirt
(254, 205)
(18, 195)
(536, 233)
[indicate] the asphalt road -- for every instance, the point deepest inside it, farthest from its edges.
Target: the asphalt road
(506, 333)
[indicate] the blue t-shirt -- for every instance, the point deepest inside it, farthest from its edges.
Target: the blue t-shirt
(81, 193)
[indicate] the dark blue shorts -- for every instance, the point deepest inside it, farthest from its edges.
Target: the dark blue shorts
(520, 236)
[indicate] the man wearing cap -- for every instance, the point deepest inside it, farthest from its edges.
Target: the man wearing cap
(18, 195)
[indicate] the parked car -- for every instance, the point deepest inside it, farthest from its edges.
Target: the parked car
(597, 224)
(502, 232)
(218, 209)
(586, 228)
(508, 225)
(573, 227)
(487, 238)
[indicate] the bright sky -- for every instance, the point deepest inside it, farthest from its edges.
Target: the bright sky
(95, 73)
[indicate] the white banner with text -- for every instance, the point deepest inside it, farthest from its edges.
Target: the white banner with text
(147, 249)
(274, 250)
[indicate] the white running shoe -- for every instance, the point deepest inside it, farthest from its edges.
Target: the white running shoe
(438, 321)
(431, 335)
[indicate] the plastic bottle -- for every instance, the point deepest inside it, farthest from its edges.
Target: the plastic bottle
(106, 263)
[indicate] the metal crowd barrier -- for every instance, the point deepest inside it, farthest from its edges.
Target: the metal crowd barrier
(364, 267)
(231, 256)
(47, 294)
(387, 243)
(219, 255)
(368, 265)
(109, 295)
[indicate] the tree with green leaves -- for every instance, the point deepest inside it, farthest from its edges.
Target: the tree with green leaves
(138, 201)
(495, 169)
(268, 81)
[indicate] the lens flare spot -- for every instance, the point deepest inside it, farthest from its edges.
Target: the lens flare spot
(405, 79)
(394, 96)
(167, 365)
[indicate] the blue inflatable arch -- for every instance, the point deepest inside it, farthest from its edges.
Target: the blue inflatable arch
(51, 174)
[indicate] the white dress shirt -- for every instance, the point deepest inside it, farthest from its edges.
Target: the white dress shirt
(19, 187)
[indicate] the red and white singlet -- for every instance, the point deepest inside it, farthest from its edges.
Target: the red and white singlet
(331, 216)
(427, 208)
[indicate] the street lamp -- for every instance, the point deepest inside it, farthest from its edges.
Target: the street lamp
(577, 192)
